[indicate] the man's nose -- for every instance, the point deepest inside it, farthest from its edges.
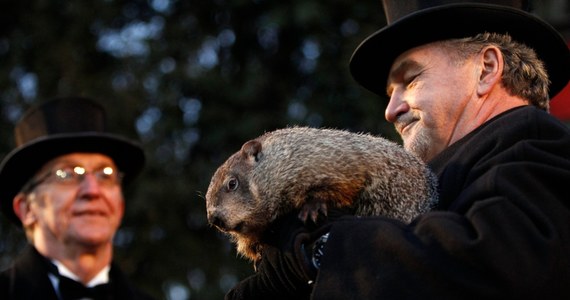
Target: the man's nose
(396, 107)
(89, 184)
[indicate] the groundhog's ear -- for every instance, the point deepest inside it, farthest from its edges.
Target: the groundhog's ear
(251, 149)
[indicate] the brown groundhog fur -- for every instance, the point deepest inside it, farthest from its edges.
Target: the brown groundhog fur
(307, 169)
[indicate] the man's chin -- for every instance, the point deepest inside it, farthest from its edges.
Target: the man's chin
(419, 146)
(93, 235)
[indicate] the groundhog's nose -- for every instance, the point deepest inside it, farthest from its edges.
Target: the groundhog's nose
(215, 220)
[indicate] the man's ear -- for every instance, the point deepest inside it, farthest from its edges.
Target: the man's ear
(491, 59)
(23, 210)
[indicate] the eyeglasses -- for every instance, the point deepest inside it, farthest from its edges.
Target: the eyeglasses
(74, 175)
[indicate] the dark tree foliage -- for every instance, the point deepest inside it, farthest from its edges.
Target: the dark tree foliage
(193, 80)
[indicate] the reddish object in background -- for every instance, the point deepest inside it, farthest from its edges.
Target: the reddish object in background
(560, 105)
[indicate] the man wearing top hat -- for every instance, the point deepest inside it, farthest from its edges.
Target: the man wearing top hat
(468, 87)
(62, 185)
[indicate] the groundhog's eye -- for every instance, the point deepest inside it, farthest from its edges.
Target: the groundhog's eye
(232, 184)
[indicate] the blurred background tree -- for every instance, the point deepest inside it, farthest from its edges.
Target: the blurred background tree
(192, 80)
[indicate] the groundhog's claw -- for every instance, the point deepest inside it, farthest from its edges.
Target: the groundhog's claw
(312, 209)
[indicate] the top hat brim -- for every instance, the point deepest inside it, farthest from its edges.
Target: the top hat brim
(20, 165)
(372, 59)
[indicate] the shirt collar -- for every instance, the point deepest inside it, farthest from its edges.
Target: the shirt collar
(101, 277)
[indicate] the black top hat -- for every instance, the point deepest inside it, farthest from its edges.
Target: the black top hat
(412, 23)
(57, 127)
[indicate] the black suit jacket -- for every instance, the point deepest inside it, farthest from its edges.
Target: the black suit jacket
(502, 230)
(27, 279)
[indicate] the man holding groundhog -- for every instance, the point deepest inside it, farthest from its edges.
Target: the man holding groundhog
(469, 85)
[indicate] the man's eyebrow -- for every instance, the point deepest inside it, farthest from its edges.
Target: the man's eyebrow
(73, 163)
(403, 67)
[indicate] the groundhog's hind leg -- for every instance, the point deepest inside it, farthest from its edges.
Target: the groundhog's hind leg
(328, 194)
(311, 208)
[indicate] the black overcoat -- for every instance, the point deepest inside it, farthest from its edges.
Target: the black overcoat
(501, 231)
(27, 279)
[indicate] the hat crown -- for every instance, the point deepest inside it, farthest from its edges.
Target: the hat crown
(397, 9)
(60, 116)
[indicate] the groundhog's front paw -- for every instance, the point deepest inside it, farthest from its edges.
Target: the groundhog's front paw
(311, 208)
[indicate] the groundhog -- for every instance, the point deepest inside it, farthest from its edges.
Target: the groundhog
(312, 170)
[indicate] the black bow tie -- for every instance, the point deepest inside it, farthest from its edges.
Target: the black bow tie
(70, 289)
